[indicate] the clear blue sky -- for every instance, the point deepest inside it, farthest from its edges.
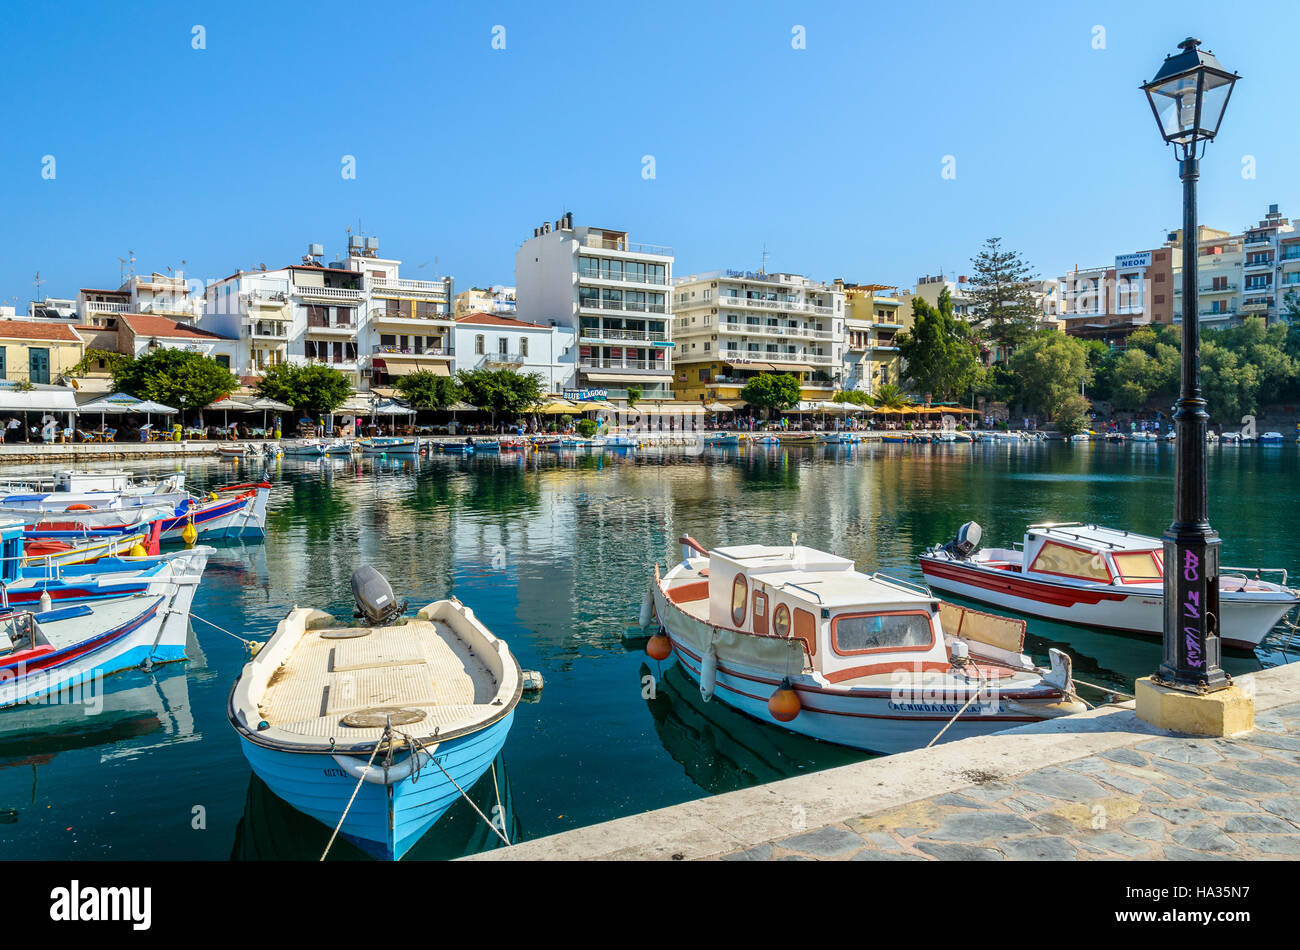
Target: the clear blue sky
(831, 156)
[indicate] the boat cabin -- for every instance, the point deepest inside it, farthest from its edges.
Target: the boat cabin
(852, 624)
(1088, 552)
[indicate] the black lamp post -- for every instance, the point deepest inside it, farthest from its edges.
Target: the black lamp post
(1188, 97)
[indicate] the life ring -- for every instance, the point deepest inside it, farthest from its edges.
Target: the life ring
(378, 775)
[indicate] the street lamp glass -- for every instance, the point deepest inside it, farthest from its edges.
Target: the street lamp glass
(1189, 95)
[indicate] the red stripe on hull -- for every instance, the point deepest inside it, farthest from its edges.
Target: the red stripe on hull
(1058, 595)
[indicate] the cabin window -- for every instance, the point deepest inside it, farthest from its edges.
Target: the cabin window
(1139, 566)
(781, 621)
(739, 597)
(1061, 559)
(865, 633)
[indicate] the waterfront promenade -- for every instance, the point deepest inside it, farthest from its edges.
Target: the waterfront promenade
(1100, 786)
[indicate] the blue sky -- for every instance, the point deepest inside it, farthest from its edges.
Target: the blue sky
(830, 156)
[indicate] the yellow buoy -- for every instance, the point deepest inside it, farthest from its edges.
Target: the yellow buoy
(212, 496)
(189, 534)
(137, 550)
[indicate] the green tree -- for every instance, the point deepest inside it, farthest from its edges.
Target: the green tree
(768, 391)
(587, 428)
(1051, 366)
(1230, 384)
(890, 396)
(1072, 415)
(1002, 293)
(177, 378)
(854, 397)
(938, 353)
(633, 396)
(426, 390)
(312, 388)
(501, 390)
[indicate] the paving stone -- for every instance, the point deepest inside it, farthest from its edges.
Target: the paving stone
(1213, 804)
(794, 857)
(1274, 844)
(1288, 715)
(883, 841)
(980, 825)
(1287, 807)
(870, 854)
(1181, 750)
(1148, 829)
(1054, 824)
(988, 792)
(1177, 770)
(1233, 749)
(1175, 853)
(1178, 815)
(958, 852)
(952, 799)
(1175, 790)
(1257, 824)
(1269, 722)
(1125, 783)
(1272, 767)
(1090, 764)
(1203, 837)
(911, 831)
(1244, 781)
(1126, 757)
(1058, 783)
(829, 842)
(1038, 849)
(1290, 743)
(1127, 845)
(762, 852)
(1154, 797)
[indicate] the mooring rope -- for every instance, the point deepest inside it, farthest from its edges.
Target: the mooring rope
(975, 695)
(485, 818)
(251, 644)
(496, 788)
(364, 772)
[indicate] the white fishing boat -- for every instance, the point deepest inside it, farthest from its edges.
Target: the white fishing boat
(371, 729)
(796, 636)
(56, 655)
(1270, 438)
(306, 448)
(1098, 577)
(389, 445)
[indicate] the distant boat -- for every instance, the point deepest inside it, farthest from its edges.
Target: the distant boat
(389, 445)
(306, 448)
(722, 440)
(1271, 438)
(391, 717)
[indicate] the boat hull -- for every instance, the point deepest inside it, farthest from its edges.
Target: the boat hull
(1245, 621)
(385, 821)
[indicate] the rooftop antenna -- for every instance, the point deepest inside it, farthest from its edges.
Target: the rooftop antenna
(38, 285)
(762, 267)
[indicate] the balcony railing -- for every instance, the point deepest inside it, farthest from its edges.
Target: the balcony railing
(762, 356)
(621, 244)
(329, 293)
(612, 333)
(100, 306)
(762, 329)
(503, 359)
(401, 283)
(382, 348)
(592, 362)
(792, 306)
(626, 306)
(655, 279)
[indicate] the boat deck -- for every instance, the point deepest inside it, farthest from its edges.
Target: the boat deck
(421, 666)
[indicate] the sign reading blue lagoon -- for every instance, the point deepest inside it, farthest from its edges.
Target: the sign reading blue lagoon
(586, 395)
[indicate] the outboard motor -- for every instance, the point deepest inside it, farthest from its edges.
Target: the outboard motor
(966, 542)
(374, 597)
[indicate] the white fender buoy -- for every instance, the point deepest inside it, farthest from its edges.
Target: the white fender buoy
(378, 775)
(708, 673)
(647, 608)
(46, 601)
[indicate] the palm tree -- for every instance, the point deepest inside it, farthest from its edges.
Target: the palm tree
(890, 396)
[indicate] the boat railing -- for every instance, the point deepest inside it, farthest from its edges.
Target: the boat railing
(806, 590)
(899, 582)
(1257, 571)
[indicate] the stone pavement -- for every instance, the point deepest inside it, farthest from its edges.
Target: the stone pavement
(1181, 799)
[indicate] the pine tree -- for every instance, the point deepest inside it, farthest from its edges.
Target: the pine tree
(1004, 308)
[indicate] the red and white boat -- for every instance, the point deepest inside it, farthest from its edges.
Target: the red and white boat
(797, 637)
(1098, 577)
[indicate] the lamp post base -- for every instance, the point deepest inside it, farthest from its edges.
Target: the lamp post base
(1224, 712)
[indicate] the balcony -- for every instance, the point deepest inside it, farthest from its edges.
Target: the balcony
(101, 306)
(767, 356)
(622, 365)
(1257, 265)
(762, 329)
(390, 285)
(622, 244)
(789, 306)
(315, 325)
(1257, 306)
(267, 330)
(653, 280)
(621, 306)
(497, 360)
(398, 318)
(611, 333)
(329, 293)
(432, 352)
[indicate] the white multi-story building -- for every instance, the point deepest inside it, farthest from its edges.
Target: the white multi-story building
(729, 326)
(496, 299)
(493, 341)
(608, 299)
(1270, 267)
(357, 315)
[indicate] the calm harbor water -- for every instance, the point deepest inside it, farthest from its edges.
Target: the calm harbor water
(554, 552)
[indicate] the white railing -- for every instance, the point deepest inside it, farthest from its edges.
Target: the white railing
(381, 348)
(793, 306)
(626, 306)
(622, 244)
(592, 362)
(99, 306)
(654, 280)
(329, 293)
(761, 329)
(401, 283)
(614, 333)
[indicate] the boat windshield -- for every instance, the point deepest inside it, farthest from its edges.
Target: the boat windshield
(867, 632)
(1139, 566)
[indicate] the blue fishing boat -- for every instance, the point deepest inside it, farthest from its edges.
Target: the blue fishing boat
(722, 440)
(372, 730)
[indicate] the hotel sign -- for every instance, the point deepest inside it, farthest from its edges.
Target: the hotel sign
(585, 395)
(1126, 261)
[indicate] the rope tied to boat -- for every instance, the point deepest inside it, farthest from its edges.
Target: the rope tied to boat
(973, 696)
(417, 744)
(360, 782)
(252, 645)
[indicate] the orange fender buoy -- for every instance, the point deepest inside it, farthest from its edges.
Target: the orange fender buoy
(659, 647)
(784, 704)
(79, 507)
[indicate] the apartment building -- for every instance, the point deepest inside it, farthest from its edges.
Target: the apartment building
(493, 341)
(874, 315)
(1270, 267)
(608, 299)
(731, 325)
(495, 299)
(1110, 301)
(358, 315)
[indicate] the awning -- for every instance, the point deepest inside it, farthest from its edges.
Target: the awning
(758, 367)
(792, 367)
(118, 402)
(719, 407)
(391, 407)
(38, 399)
(267, 404)
(395, 366)
(356, 403)
(225, 402)
(630, 377)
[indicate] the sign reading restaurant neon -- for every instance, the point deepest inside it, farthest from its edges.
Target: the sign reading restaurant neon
(1125, 261)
